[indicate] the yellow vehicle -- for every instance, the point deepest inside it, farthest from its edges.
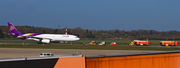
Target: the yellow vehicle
(92, 43)
(83, 43)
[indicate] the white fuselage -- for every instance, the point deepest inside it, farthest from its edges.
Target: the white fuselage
(55, 37)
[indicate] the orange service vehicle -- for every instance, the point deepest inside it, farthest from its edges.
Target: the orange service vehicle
(168, 43)
(139, 42)
(113, 43)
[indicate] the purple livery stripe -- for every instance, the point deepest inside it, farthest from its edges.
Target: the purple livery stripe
(25, 35)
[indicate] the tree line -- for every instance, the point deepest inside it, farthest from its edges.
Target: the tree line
(98, 34)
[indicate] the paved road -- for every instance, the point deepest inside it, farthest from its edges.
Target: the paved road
(18, 52)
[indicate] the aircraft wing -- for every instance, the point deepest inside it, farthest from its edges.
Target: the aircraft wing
(42, 40)
(37, 37)
(5, 32)
(8, 33)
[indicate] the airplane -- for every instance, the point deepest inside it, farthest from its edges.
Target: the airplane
(42, 38)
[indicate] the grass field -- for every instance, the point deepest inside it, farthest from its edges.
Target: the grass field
(121, 45)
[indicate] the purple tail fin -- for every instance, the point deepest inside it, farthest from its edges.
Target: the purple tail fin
(13, 30)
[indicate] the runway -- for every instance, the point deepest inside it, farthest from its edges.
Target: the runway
(96, 45)
(18, 52)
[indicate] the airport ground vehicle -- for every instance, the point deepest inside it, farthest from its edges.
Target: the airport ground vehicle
(139, 42)
(113, 43)
(83, 43)
(92, 43)
(102, 43)
(168, 43)
(46, 55)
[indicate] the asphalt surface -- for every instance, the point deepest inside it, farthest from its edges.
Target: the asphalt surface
(75, 44)
(18, 52)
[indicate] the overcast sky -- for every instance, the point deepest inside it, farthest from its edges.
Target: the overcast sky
(160, 15)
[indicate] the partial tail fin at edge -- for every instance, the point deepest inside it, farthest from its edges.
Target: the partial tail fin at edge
(13, 30)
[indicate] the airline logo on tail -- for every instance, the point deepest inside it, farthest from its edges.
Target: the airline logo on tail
(11, 28)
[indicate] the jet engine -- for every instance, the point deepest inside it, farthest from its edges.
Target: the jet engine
(45, 40)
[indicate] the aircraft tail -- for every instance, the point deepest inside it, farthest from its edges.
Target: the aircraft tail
(13, 30)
